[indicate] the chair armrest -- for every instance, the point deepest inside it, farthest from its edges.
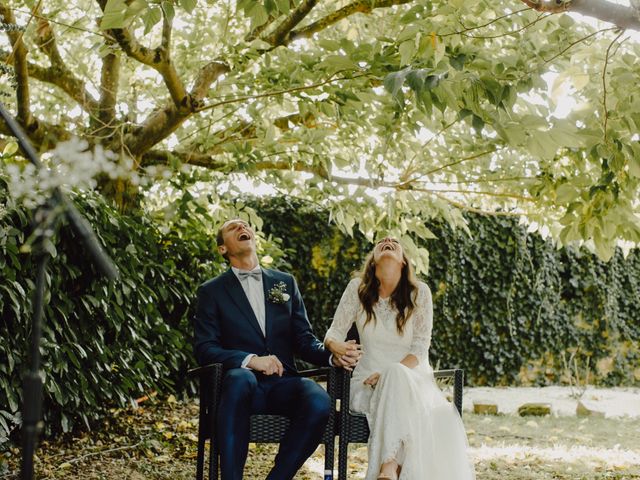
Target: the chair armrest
(212, 367)
(458, 384)
(315, 372)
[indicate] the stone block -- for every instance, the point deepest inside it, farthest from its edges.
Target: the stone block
(585, 409)
(536, 409)
(485, 408)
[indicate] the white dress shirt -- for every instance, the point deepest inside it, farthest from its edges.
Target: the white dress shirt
(255, 294)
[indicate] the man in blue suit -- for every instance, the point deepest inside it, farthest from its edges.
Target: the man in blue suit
(254, 321)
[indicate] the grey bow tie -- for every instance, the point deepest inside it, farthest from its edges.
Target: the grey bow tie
(255, 274)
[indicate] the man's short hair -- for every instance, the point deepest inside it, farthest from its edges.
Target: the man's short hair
(220, 240)
(219, 237)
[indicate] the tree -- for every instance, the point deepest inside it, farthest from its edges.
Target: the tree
(391, 111)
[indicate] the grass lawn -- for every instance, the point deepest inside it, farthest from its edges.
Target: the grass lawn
(158, 441)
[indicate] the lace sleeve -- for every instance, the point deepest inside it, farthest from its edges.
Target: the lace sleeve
(422, 324)
(345, 313)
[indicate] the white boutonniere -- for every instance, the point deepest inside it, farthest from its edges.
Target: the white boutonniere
(278, 294)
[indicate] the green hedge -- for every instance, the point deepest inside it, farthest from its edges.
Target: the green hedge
(104, 344)
(508, 305)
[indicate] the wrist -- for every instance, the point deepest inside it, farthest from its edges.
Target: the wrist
(329, 343)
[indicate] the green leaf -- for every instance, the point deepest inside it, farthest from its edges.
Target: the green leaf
(477, 123)
(188, 5)
(270, 7)
(169, 11)
(114, 15)
(566, 21)
(258, 15)
(150, 18)
(9, 149)
(338, 62)
(567, 193)
(393, 81)
(283, 6)
(406, 49)
(457, 61)
(328, 44)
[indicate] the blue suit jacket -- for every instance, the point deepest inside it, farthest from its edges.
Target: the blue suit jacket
(226, 329)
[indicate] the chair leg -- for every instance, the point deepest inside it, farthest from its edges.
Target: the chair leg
(328, 459)
(213, 460)
(343, 447)
(200, 459)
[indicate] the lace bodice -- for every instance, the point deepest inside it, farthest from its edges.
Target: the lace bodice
(381, 342)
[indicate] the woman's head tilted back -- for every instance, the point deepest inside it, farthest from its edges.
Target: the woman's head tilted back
(388, 253)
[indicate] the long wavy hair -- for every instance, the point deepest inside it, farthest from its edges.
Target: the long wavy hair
(403, 297)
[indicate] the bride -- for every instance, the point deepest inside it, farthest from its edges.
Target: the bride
(415, 432)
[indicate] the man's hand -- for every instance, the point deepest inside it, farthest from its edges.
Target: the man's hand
(345, 354)
(268, 365)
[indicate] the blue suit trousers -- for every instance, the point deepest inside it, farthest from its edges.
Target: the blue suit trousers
(245, 393)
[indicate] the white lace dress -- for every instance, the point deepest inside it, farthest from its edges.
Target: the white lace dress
(409, 417)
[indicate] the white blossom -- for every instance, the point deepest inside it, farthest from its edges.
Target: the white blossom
(70, 165)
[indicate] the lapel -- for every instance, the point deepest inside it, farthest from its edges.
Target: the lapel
(235, 291)
(268, 282)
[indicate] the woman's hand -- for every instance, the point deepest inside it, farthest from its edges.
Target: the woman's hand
(340, 349)
(372, 380)
(345, 354)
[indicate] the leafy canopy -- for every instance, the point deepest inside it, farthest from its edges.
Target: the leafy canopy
(391, 112)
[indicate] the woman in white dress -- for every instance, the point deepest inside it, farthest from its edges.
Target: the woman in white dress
(416, 434)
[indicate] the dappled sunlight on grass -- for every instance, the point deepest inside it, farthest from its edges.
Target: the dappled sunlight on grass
(158, 441)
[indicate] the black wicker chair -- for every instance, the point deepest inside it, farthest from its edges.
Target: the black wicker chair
(354, 427)
(264, 428)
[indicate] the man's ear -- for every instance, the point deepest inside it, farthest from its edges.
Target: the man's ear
(222, 249)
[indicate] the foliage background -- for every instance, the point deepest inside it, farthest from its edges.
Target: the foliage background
(510, 308)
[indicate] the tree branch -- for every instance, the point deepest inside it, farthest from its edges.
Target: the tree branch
(20, 65)
(70, 85)
(474, 192)
(164, 122)
(167, 27)
(158, 58)
(550, 6)
(279, 35)
(104, 124)
(207, 75)
(466, 208)
(477, 27)
(605, 114)
(359, 6)
(331, 79)
(624, 16)
(58, 74)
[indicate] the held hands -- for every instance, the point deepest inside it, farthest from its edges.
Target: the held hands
(268, 365)
(345, 354)
(372, 380)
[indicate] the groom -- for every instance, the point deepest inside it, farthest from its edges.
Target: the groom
(253, 320)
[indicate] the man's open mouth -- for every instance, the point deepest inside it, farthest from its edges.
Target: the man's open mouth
(386, 247)
(244, 236)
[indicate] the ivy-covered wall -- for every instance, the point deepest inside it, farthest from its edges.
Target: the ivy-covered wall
(509, 307)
